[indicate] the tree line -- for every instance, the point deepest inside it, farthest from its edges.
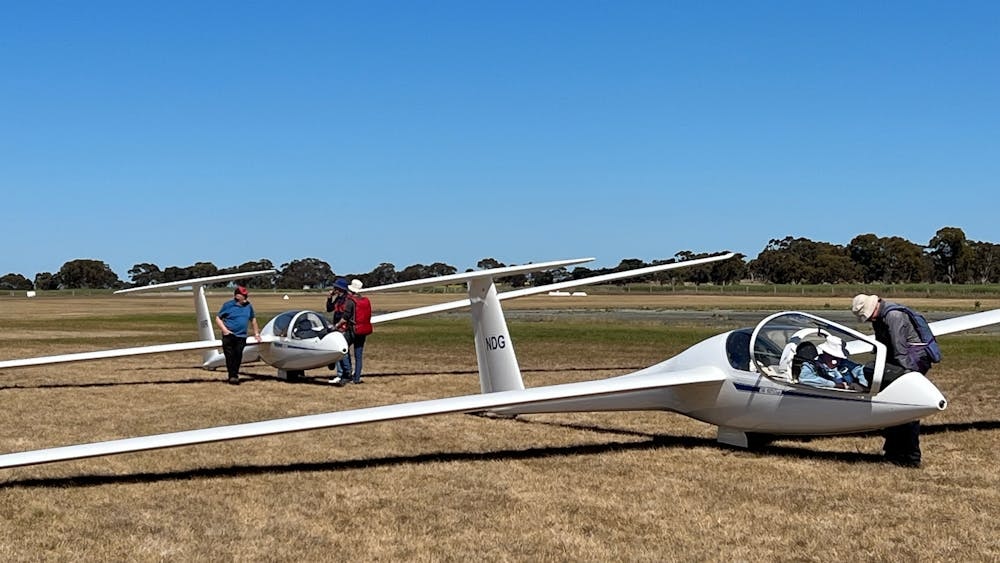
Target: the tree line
(949, 257)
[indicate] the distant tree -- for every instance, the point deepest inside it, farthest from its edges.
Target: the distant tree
(253, 282)
(696, 274)
(905, 262)
(311, 272)
(489, 263)
(948, 250)
(631, 264)
(984, 262)
(15, 281)
(729, 271)
(868, 252)
(175, 273)
(202, 270)
(145, 274)
(516, 280)
(776, 264)
(383, 274)
(560, 274)
(547, 277)
(669, 276)
(413, 272)
(46, 281)
(440, 269)
(91, 274)
(255, 266)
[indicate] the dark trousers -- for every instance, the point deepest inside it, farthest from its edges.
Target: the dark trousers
(902, 443)
(232, 347)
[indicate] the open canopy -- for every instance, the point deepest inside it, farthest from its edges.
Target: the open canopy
(775, 343)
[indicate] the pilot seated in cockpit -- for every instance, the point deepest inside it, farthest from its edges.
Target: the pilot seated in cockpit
(828, 366)
(304, 329)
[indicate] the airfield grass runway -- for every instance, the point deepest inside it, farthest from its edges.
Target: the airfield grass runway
(575, 487)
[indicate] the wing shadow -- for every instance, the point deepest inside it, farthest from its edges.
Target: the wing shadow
(650, 442)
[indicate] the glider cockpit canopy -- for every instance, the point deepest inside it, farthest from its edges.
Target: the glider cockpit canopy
(774, 341)
(301, 325)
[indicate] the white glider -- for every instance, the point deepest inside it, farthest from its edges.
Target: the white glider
(734, 381)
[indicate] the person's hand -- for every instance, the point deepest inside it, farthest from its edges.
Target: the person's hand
(257, 336)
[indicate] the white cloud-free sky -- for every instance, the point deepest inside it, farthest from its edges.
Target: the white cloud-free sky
(418, 132)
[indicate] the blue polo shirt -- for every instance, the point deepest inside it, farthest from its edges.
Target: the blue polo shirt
(236, 317)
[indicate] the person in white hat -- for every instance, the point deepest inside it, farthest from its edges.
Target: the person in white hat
(356, 325)
(831, 368)
(897, 327)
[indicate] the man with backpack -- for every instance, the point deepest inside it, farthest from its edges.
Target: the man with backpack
(912, 346)
(356, 324)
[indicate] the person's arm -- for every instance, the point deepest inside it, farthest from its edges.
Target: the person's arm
(902, 333)
(809, 376)
(858, 373)
(347, 320)
(219, 322)
(256, 328)
(329, 302)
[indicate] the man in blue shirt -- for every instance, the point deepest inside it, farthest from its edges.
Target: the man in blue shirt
(233, 319)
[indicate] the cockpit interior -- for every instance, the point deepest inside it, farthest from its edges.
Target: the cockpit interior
(301, 325)
(771, 348)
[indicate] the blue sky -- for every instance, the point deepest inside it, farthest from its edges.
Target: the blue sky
(417, 132)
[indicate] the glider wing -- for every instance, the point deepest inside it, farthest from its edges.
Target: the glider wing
(463, 404)
(121, 352)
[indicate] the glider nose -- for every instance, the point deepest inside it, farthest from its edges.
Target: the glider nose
(914, 392)
(335, 342)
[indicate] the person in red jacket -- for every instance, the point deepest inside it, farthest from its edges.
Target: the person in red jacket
(355, 322)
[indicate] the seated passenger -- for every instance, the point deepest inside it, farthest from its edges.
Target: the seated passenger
(831, 368)
(304, 329)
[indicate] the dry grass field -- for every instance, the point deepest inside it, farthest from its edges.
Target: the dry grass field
(582, 487)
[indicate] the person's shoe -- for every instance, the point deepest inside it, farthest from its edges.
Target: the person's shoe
(338, 381)
(357, 381)
(233, 381)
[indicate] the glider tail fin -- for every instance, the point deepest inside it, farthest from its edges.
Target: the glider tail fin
(498, 369)
(206, 328)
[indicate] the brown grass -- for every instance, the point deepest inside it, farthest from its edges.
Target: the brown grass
(590, 487)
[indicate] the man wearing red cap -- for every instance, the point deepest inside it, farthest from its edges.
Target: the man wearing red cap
(233, 319)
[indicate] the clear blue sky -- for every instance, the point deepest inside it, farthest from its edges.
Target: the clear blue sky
(413, 132)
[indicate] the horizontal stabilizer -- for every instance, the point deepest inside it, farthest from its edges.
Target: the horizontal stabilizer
(197, 281)
(468, 403)
(466, 276)
(542, 289)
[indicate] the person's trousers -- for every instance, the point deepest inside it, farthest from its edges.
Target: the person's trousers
(232, 348)
(902, 443)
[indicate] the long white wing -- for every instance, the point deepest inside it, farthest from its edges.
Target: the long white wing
(121, 352)
(524, 292)
(441, 307)
(464, 404)
(965, 322)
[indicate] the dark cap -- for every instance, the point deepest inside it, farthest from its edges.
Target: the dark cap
(341, 283)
